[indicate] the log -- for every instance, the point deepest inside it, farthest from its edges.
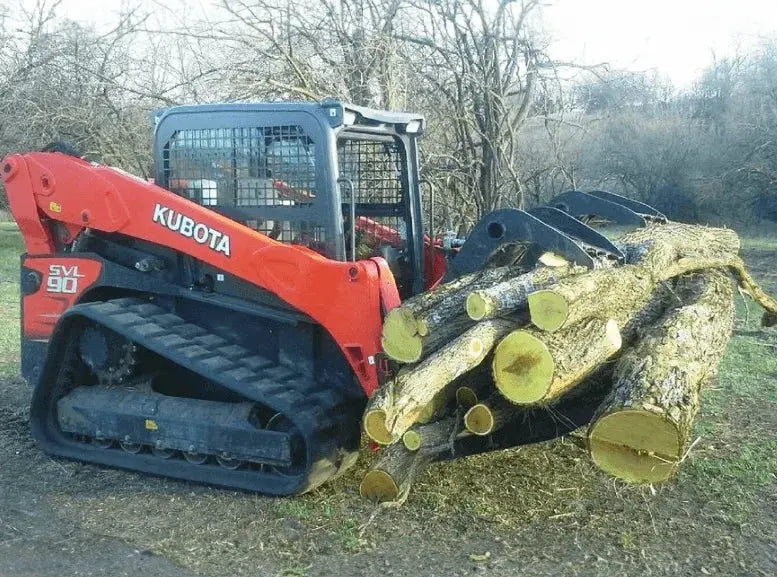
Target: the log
(738, 269)
(391, 477)
(467, 396)
(534, 367)
(489, 415)
(437, 436)
(642, 429)
(474, 385)
(511, 294)
(375, 415)
(657, 246)
(422, 324)
(616, 292)
(438, 406)
(657, 253)
(604, 292)
(414, 387)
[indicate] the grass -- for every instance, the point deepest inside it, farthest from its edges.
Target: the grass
(11, 246)
(545, 503)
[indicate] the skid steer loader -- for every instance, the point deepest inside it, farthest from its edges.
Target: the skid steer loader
(222, 324)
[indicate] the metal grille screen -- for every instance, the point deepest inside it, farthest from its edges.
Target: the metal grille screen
(251, 167)
(375, 170)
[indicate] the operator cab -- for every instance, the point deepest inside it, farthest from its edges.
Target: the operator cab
(341, 180)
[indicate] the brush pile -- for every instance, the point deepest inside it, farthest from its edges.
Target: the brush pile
(484, 351)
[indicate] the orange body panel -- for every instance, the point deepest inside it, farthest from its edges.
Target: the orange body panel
(344, 297)
(63, 281)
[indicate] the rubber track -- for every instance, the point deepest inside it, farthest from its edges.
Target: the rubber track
(325, 418)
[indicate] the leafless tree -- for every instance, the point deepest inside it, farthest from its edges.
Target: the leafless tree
(313, 49)
(479, 62)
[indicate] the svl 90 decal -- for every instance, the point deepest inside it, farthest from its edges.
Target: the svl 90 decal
(63, 279)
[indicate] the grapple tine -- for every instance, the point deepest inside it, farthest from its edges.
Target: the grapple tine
(577, 203)
(509, 225)
(555, 228)
(579, 230)
(644, 210)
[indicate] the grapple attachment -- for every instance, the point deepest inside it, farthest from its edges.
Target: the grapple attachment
(557, 227)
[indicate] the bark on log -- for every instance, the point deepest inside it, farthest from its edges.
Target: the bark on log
(414, 387)
(438, 406)
(434, 437)
(391, 477)
(658, 253)
(375, 414)
(534, 367)
(422, 324)
(658, 246)
(643, 427)
(611, 293)
(474, 385)
(511, 294)
(489, 415)
(615, 292)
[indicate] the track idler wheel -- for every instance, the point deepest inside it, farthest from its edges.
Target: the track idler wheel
(195, 458)
(131, 447)
(228, 462)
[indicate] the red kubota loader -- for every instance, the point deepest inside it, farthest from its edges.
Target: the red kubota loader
(223, 324)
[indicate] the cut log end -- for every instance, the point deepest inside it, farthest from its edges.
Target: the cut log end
(637, 446)
(412, 440)
(379, 486)
(523, 368)
(375, 427)
(477, 306)
(400, 336)
(475, 348)
(548, 310)
(526, 372)
(479, 420)
(466, 396)
(404, 348)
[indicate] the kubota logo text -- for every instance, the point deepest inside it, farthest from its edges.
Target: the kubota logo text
(63, 279)
(188, 227)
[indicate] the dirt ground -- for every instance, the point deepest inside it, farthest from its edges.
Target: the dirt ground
(540, 510)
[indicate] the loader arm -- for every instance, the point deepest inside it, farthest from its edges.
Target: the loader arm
(346, 298)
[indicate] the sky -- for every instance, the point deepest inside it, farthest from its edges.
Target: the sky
(677, 38)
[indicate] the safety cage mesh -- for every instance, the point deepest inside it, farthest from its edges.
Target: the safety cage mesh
(249, 168)
(375, 169)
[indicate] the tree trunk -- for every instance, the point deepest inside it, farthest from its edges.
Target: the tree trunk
(657, 253)
(643, 427)
(375, 414)
(435, 437)
(511, 294)
(658, 246)
(534, 367)
(489, 415)
(614, 292)
(414, 387)
(424, 323)
(390, 478)
(609, 293)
